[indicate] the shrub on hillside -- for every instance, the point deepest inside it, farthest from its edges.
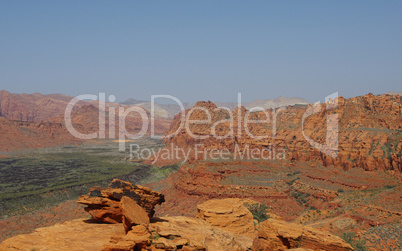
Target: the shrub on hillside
(259, 211)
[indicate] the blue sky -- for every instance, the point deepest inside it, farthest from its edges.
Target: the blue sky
(201, 50)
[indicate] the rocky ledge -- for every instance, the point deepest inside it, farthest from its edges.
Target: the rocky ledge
(224, 224)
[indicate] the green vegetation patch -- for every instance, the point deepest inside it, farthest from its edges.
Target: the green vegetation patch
(259, 211)
(37, 178)
(358, 245)
(25, 176)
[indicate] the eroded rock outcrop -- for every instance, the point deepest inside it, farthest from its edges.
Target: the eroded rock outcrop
(229, 214)
(222, 225)
(104, 203)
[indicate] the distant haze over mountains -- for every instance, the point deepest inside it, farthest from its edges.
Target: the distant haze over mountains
(395, 93)
(169, 110)
(38, 107)
(37, 120)
(29, 121)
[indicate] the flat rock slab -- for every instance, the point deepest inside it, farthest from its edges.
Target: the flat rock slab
(133, 214)
(80, 234)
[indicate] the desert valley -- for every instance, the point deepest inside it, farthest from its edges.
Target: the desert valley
(314, 200)
(201, 125)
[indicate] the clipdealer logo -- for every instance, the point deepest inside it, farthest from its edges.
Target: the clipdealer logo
(330, 147)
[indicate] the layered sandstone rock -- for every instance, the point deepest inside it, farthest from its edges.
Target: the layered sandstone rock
(368, 135)
(104, 203)
(229, 214)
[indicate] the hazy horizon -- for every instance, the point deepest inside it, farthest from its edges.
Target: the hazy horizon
(201, 50)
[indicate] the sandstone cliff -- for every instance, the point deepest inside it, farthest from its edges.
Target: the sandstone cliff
(369, 131)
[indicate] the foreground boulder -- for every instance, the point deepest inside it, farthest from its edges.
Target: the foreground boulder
(221, 225)
(229, 214)
(133, 214)
(103, 204)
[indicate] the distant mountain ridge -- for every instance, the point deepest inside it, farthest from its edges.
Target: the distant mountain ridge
(132, 101)
(30, 121)
(169, 110)
(32, 107)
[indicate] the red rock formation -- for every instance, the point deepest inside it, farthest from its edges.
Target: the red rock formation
(132, 213)
(225, 225)
(230, 215)
(104, 203)
(85, 120)
(32, 107)
(369, 131)
(36, 120)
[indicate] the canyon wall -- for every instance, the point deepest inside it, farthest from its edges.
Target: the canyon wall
(368, 135)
